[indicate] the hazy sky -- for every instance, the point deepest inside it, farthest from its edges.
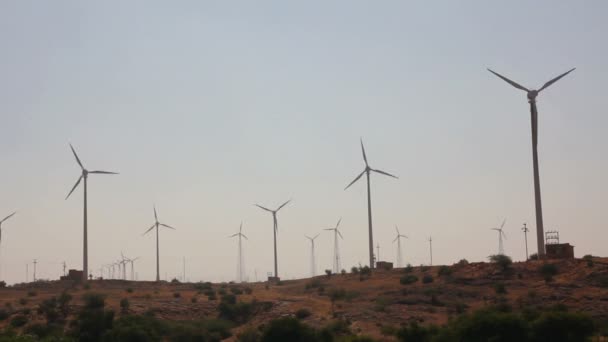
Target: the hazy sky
(206, 108)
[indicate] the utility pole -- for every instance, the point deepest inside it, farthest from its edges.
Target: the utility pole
(27, 272)
(526, 230)
(431, 248)
(64, 266)
(184, 280)
(35, 262)
(378, 248)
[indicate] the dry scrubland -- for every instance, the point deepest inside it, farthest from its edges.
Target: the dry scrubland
(372, 304)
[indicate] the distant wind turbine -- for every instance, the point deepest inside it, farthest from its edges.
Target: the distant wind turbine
(532, 94)
(313, 266)
(336, 260)
(398, 240)
(367, 172)
(275, 230)
(241, 262)
(84, 175)
(157, 225)
(501, 235)
(4, 219)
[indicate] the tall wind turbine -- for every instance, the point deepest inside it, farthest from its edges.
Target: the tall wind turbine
(398, 240)
(313, 266)
(367, 172)
(241, 262)
(132, 261)
(275, 230)
(337, 266)
(532, 94)
(501, 234)
(156, 225)
(4, 219)
(84, 175)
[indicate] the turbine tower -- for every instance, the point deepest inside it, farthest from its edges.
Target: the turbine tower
(501, 234)
(532, 94)
(85, 175)
(275, 230)
(156, 225)
(398, 240)
(4, 219)
(367, 172)
(336, 260)
(240, 268)
(313, 266)
(431, 248)
(132, 261)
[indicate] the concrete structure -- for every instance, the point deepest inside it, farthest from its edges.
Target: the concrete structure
(384, 265)
(74, 275)
(559, 251)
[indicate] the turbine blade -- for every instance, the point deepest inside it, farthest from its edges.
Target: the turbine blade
(233, 235)
(338, 224)
(245, 236)
(385, 173)
(9, 216)
(155, 215)
(555, 79)
(397, 229)
(316, 236)
(337, 231)
(329, 229)
(503, 234)
(308, 237)
(259, 206)
(282, 205)
(405, 236)
(397, 238)
(166, 226)
(356, 179)
(241, 227)
(503, 223)
(363, 151)
(516, 85)
(149, 229)
(76, 156)
(73, 188)
(104, 172)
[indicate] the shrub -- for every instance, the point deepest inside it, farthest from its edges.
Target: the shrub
(500, 288)
(562, 326)
(248, 290)
(94, 300)
(463, 262)
(2, 284)
(250, 334)
(3, 314)
(503, 261)
(288, 329)
(23, 301)
(408, 268)
(366, 271)
(343, 272)
(314, 283)
(303, 313)
(354, 270)
(328, 273)
(589, 259)
(444, 271)
(236, 290)
(174, 281)
(31, 293)
(408, 279)
(48, 308)
(19, 320)
(427, 279)
(124, 305)
(548, 271)
(534, 256)
(129, 290)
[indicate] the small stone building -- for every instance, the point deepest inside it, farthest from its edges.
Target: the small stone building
(74, 275)
(384, 265)
(559, 251)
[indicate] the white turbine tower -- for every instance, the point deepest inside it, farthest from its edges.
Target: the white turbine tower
(240, 268)
(398, 240)
(336, 260)
(4, 219)
(501, 234)
(313, 265)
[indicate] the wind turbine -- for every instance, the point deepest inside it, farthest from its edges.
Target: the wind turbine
(313, 266)
(337, 266)
(240, 265)
(532, 94)
(4, 219)
(132, 261)
(398, 240)
(367, 172)
(275, 230)
(157, 225)
(501, 234)
(85, 175)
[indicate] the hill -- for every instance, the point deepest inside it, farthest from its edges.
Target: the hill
(374, 304)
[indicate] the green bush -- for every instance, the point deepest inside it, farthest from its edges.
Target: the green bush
(288, 329)
(303, 313)
(444, 271)
(503, 261)
(548, 271)
(354, 270)
(236, 290)
(463, 262)
(500, 288)
(94, 300)
(408, 279)
(314, 283)
(129, 290)
(250, 334)
(2, 284)
(409, 268)
(427, 279)
(248, 290)
(19, 320)
(3, 314)
(366, 271)
(534, 256)
(124, 305)
(562, 326)
(328, 273)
